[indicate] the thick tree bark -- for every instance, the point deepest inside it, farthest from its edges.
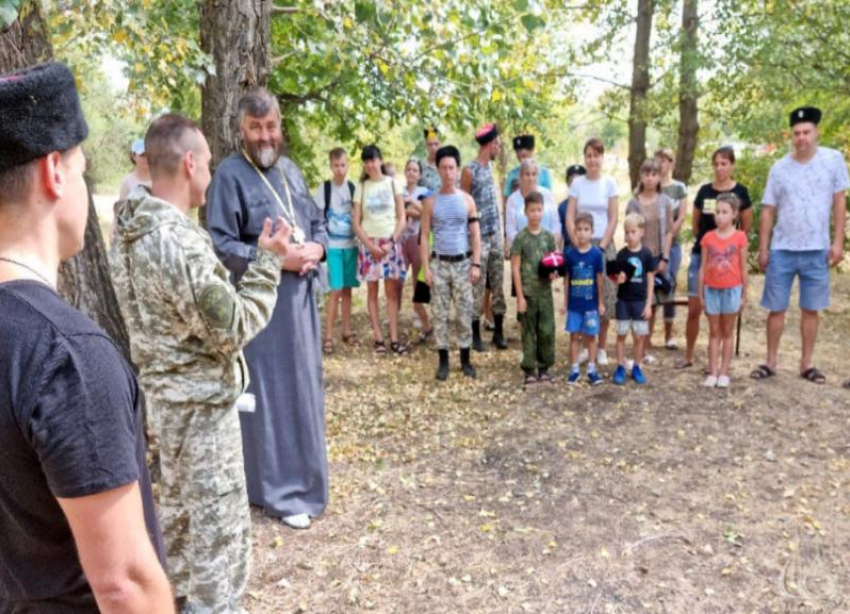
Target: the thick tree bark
(236, 34)
(688, 93)
(639, 90)
(24, 43)
(84, 280)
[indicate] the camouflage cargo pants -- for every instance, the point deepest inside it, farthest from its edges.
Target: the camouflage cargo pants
(538, 332)
(451, 284)
(204, 506)
(492, 275)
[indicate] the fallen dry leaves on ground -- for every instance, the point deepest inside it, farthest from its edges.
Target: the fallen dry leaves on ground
(477, 496)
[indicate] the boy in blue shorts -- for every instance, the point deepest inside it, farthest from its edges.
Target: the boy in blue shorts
(634, 297)
(585, 266)
(335, 197)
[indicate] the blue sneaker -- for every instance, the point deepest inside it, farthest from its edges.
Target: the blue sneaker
(594, 378)
(637, 375)
(619, 377)
(573, 378)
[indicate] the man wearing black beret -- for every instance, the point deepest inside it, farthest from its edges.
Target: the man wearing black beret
(803, 189)
(79, 533)
(524, 149)
(477, 180)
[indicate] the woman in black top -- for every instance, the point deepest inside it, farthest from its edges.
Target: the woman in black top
(723, 162)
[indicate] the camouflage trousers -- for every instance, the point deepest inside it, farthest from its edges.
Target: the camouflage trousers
(451, 284)
(538, 332)
(492, 275)
(204, 505)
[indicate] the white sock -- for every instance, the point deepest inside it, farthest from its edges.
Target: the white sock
(591, 367)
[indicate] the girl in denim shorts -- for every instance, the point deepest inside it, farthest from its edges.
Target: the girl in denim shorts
(723, 286)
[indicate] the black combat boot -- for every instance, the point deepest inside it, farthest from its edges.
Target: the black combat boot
(498, 333)
(465, 364)
(443, 369)
(477, 344)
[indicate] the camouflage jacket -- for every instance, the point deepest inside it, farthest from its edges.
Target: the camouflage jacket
(187, 322)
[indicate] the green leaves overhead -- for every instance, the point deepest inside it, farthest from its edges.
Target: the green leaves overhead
(354, 67)
(157, 40)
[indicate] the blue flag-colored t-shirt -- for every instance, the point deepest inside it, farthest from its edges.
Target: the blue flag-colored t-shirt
(582, 269)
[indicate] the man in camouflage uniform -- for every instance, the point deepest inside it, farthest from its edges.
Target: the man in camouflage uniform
(450, 216)
(477, 179)
(187, 326)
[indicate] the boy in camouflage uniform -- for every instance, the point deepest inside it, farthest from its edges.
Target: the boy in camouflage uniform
(534, 293)
(187, 327)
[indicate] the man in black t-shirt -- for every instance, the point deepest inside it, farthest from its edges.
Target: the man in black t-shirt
(78, 533)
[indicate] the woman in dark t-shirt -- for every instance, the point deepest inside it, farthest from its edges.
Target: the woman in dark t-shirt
(723, 163)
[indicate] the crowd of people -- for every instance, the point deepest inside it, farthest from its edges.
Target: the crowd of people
(598, 285)
(226, 337)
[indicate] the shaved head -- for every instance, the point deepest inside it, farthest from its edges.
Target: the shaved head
(167, 140)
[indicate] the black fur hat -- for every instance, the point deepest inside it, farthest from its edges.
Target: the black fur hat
(39, 113)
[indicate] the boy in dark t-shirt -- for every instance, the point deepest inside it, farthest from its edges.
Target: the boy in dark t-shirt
(634, 297)
(78, 533)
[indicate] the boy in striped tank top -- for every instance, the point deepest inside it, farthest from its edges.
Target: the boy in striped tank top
(454, 262)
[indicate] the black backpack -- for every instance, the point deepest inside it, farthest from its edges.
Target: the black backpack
(328, 195)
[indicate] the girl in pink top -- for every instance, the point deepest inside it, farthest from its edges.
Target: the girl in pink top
(723, 285)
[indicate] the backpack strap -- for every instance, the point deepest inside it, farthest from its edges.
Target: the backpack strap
(327, 197)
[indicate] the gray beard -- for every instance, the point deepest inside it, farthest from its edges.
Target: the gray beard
(264, 157)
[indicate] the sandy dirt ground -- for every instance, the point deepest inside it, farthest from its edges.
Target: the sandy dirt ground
(480, 497)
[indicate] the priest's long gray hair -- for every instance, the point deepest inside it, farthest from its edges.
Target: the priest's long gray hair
(257, 103)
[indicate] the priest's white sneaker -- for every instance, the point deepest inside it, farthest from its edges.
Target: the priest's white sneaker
(298, 521)
(582, 356)
(602, 357)
(650, 359)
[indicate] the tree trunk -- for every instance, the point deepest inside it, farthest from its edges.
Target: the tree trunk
(688, 93)
(84, 280)
(236, 34)
(639, 89)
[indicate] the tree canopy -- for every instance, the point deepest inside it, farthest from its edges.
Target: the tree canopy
(354, 70)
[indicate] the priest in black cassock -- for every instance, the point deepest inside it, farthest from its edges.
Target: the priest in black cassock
(284, 437)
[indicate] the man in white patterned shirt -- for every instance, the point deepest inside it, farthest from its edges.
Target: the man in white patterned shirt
(804, 189)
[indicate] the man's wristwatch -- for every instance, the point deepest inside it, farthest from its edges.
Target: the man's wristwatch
(476, 265)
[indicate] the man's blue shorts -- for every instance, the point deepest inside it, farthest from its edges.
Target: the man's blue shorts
(811, 267)
(586, 323)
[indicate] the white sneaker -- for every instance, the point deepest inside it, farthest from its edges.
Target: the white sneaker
(723, 381)
(582, 356)
(417, 323)
(650, 359)
(602, 358)
(710, 381)
(671, 344)
(298, 521)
